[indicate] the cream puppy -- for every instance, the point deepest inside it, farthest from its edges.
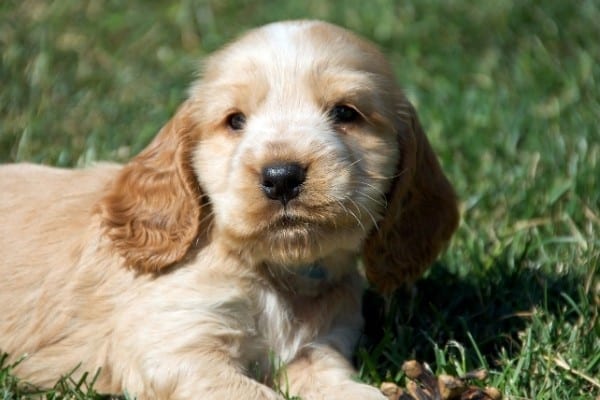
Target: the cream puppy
(221, 262)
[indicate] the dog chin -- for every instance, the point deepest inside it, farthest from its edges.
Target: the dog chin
(300, 245)
(293, 240)
(293, 244)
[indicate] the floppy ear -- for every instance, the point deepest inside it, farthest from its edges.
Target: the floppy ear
(421, 215)
(151, 212)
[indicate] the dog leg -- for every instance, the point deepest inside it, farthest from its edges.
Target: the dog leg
(322, 373)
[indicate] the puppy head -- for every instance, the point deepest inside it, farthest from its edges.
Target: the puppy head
(298, 148)
(304, 147)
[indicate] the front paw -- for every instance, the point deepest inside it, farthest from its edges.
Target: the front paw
(359, 391)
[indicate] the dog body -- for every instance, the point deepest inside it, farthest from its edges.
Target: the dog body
(224, 255)
(168, 336)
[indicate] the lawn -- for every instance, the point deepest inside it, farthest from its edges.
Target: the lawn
(508, 92)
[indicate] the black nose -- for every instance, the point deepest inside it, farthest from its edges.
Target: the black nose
(282, 181)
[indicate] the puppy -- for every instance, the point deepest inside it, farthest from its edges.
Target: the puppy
(221, 262)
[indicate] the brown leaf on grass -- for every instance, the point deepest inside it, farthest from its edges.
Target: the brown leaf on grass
(422, 384)
(450, 386)
(475, 393)
(394, 392)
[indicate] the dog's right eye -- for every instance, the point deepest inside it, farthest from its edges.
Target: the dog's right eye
(236, 121)
(342, 114)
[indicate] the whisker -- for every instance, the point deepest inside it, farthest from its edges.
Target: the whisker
(382, 202)
(351, 200)
(358, 221)
(368, 212)
(399, 174)
(354, 162)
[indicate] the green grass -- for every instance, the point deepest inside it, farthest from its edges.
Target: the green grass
(508, 91)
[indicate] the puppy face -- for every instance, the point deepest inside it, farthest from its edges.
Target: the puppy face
(302, 147)
(298, 145)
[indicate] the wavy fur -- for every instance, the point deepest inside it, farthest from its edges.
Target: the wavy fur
(179, 277)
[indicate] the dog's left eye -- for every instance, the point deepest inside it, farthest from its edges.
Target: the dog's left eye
(236, 121)
(343, 114)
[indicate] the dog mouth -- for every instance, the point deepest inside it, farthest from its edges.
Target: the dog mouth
(300, 223)
(289, 228)
(290, 221)
(311, 219)
(308, 221)
(296, 235)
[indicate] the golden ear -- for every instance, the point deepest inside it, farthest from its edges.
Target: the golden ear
(421, 216)
(151, 211)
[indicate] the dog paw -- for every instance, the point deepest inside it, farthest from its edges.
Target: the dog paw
(358, 391)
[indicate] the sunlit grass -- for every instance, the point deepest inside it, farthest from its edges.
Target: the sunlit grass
(508, 92)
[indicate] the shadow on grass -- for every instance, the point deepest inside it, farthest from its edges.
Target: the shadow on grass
(492, 308)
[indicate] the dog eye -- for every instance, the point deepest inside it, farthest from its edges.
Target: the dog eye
(343, 114)
(236, 121)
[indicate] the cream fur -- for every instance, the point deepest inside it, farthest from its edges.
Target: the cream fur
(221, 299)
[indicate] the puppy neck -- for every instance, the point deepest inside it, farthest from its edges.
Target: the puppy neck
(315, 271)
(311, 279)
